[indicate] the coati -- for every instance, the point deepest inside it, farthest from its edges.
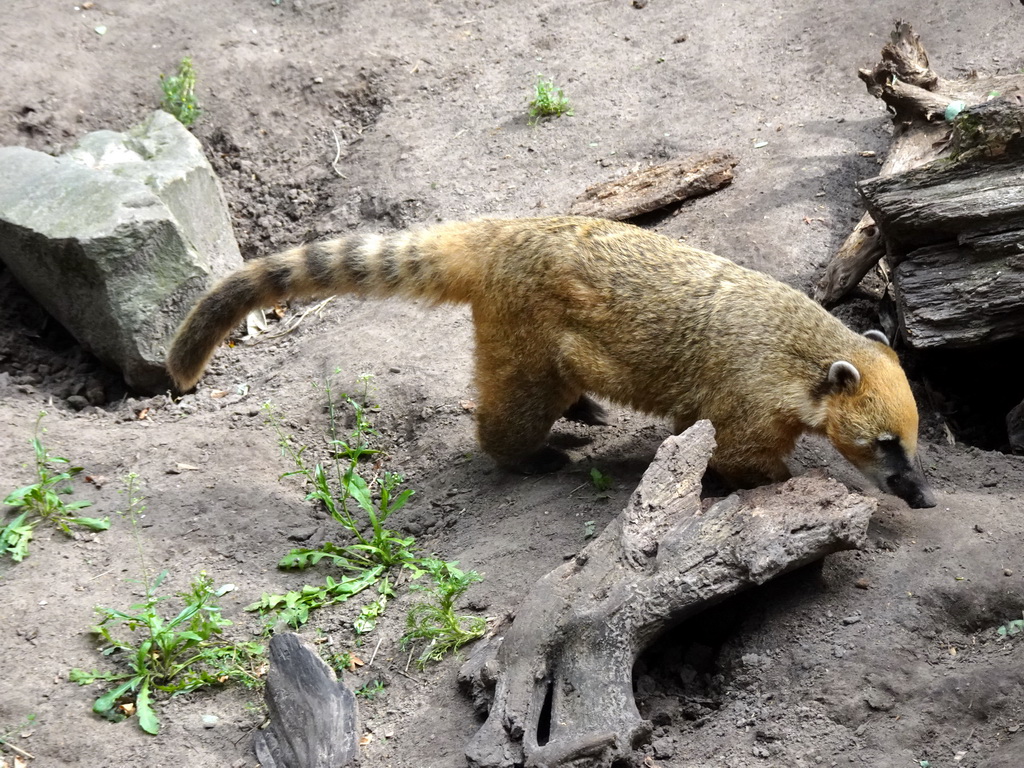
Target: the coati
(567, 306)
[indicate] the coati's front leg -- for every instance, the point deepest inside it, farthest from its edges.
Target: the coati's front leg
(745, 458)
(517, 403)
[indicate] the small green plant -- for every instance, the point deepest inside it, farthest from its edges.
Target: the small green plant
(433, 621)
(361, 506)
(371, 690)
(367, 620)
(339, 661)
(173, 655)
(42, 502)
(361, 501)
(1010, 628)
(293, 607)
(180, 93)
(340, 484)
(548, 101)
(602, 483)
(8, 733)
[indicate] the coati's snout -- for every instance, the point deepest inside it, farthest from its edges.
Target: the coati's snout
(896, 474)
(912, 488)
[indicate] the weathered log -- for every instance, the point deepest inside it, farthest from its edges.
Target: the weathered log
(558, 685)
(652, 188)
(949, 296)
(919, 100)
(954, 230)
(313, 716)
(942, 201)
(863, 248)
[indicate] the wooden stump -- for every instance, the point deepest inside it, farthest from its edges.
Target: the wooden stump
(313, 717)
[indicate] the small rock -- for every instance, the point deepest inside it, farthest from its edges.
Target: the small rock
(879, 701)
(77, 402)
(663, 748)
(862, 584)
(302, 532)
(95, 393)
(1007, 571)
(850, 620)
(209, 721)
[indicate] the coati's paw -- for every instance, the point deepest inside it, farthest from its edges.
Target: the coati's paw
(587, 411)
(541, 462)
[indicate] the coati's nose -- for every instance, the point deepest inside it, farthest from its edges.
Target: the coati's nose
(912, 488)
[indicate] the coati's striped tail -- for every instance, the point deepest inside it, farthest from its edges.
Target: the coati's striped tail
(434, 264)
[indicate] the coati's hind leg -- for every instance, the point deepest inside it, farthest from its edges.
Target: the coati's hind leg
(587, 411)
(515, 411)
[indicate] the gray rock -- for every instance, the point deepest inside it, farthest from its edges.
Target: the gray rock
(117, 237)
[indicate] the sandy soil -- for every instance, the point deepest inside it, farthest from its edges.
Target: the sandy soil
(322, 116)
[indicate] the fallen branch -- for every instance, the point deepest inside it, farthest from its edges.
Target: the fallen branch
(558, 684)
(656, 187)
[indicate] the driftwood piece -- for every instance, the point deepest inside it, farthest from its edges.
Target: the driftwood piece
(558, 685)
(919, 100)
(652, 188)
(313, 716)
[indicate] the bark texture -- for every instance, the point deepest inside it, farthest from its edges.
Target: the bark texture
(313, 718)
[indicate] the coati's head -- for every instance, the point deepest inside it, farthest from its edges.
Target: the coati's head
(871, 419)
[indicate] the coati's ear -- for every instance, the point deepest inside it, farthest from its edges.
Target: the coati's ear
(843, 377)
(877, 336)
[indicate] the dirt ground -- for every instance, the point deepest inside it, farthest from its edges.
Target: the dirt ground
(322, 116)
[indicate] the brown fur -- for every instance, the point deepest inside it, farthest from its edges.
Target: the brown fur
(568, 306)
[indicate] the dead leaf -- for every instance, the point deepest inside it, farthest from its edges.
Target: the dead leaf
(467, 405)
(98, 480)
(143, 414)
(219, 393)
(355, 661)
(128, 708)
(178, 468)
(87, 6)
(366, 740)
(279, 310)
(255, 323)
